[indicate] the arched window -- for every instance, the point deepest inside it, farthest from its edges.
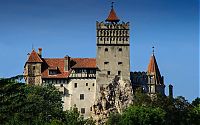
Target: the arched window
(106, 49)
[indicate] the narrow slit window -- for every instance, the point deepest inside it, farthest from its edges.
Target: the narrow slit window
(119, 72)
(75, 85)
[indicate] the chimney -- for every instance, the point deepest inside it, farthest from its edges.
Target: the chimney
(171, 91)
(66, 63)
(40, 52)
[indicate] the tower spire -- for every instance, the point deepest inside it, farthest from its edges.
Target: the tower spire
(153, 68)
(153, 50)
(112, 17)
(112, 5)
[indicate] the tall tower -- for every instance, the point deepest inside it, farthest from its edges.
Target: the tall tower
(113, 55)
(155, 80)
(32, 68)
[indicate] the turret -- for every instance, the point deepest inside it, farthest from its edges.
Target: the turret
(32, 71)
(155, 80)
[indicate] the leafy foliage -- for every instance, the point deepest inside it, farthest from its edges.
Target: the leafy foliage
(22, 104)
(158, 110)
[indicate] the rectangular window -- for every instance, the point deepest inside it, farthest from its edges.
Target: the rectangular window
(81, 96)
(120, 49)
(52, 72)
(119, 63)
(33, 67)
(106, 62)
(119, 72)
(78, 71)
(82, 110)
(61, 85)
(86, 84)
(92, 71)
(108, 72)
(75, 85)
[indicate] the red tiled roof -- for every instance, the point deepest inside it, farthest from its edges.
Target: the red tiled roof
(84, 63)
(34, 57)
(51, 63)
(112, 16)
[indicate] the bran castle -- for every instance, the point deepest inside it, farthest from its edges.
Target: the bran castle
(80, 80)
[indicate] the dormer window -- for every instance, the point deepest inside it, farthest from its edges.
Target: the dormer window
(53, 70)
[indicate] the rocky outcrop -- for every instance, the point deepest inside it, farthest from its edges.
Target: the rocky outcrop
(113, 98)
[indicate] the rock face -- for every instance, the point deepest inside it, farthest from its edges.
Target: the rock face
(114, 97)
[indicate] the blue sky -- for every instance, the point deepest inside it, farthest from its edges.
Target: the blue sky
(68, 27)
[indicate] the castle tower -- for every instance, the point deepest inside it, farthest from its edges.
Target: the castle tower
(113, 55)
(155, 80)
(32, 68)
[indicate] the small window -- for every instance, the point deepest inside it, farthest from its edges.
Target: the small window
(81, 96)
(78, 71)
(106, 62)
(82, 110)
(119, 72)
(86, 84)
(106, 49)
(119, 63)
(33, 67)
(120, 49)
(52, 72)
(90, 108)
(89, 89)
(92, 84)
(108, 72)
(61, 85)
(75, 85)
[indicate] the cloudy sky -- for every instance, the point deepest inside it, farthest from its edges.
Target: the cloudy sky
(68, 27)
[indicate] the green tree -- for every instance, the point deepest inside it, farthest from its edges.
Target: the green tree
(139, 115)
(22, 104)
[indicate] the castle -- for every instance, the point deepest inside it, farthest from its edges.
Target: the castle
(81, 79)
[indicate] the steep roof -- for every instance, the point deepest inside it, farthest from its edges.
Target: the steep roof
(112, 17)
(153, 69)
(34, 57)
